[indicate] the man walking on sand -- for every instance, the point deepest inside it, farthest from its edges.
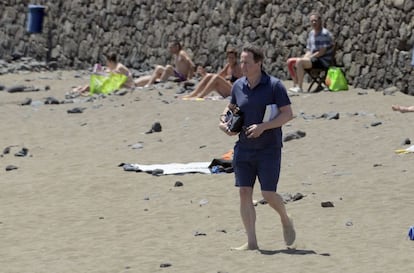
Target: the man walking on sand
(183, 68)
(257, 152)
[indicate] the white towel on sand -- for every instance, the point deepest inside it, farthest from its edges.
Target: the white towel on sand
(170, 168)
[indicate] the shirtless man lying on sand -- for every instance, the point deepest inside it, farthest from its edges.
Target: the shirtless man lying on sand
(183, 70)
(403, 109)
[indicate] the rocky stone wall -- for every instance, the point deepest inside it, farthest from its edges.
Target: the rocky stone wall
(374, 37)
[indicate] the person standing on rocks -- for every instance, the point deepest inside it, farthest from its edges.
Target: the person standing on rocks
(183, 68)
(319, 51)
(257, 153)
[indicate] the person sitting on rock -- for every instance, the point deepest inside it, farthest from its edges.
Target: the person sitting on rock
(319, 49)
(112, 66)
(403, 109)
(183, 68)
(220, 82)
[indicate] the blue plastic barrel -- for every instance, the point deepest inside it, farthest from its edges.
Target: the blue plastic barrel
(35, 18)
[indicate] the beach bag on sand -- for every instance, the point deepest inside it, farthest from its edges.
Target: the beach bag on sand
(106, 84)
(335, 79)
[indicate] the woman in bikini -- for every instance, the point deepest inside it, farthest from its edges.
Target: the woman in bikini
(221, 82)
(112, 66)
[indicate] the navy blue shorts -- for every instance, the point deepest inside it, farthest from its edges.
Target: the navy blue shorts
(319, 64)
(263, 164)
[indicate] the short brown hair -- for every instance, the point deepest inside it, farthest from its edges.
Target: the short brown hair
(316, 14)
(257, 52)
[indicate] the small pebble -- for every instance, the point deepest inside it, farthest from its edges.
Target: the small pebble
(406, 141)
(376, 123)
(203, 202)
(178, 184)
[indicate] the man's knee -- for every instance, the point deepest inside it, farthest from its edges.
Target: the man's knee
(300, 63)
(268, 195)
(290, 61)
(215, 77)
(245, 192)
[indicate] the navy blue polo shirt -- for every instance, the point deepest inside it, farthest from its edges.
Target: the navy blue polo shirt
(253, 102)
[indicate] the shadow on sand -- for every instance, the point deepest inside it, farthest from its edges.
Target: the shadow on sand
(292, 251)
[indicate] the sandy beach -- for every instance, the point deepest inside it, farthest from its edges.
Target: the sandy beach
(69, 207)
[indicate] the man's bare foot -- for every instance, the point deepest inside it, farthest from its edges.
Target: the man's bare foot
(396, 107)
(289, 233)
(245, 247)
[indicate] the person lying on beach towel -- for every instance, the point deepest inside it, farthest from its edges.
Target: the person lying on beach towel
(403, 109)
(112, 66)
(220, 82)
(182, 70)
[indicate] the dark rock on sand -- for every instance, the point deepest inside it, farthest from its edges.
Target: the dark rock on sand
(327, 204)
(376, 123)
(11, 168)
(27, 101)
(294, 135)
(307, 117)
(121, 92)
(52, 65)
(22, 88)
(16, 88)
(6, 150)
(23, 152)
(178, 184)
(2, 87)
(76, 110)
(165, 265)
(287, 197)
(51, 100)
(156, 127)
(406, 141)
(330, 115)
